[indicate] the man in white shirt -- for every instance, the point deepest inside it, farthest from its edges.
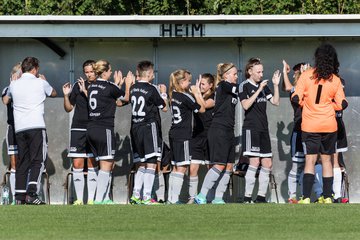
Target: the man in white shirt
(28, 94)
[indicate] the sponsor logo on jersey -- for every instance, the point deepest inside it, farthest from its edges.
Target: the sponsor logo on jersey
(94, 114)
(262, 99)
(234, 101)
(73, 149)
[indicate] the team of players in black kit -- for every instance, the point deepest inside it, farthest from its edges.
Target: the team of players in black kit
(201, 133)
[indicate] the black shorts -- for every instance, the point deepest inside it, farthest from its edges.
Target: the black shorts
(12, 147)
(199, 150)
(102, 142)
(79, 146)
(147, 142)
(256, 143)
(315, 143)
(180, 152)
(221, 146)
(297, 152)
(341, 144)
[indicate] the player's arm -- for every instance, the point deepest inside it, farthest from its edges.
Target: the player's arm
(162, 88)
(129, 81)
(275, 100)
(195, 89)
(246, 102)
(209, 103)
(53, 92)
(298, 95)
(66, 91)
(340, 102)
(286, 70)
(6, 96)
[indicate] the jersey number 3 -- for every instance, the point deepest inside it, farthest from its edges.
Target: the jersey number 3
(138, 104)
(176, 114)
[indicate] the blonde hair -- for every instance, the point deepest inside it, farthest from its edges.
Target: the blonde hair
(222, 68)
(100, 67)
(175, 78)
(16, 70)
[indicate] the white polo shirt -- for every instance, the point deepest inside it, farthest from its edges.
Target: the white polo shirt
(28, 94)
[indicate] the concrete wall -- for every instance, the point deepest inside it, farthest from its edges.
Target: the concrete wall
(196, 55)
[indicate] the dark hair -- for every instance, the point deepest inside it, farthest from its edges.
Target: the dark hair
(211, 80)
(29, 63)
(89, 62)
(143, 67)
(297, 67)
(251, 63)
(326, 62)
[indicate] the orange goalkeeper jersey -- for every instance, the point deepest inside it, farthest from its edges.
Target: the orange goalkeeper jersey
(319, 101)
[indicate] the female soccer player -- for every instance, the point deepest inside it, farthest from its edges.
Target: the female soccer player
(10, 133)
(79, 149)
(182, 105)
(254, 94)
(199, 147)
(102, 96)
(319, 91)
(221, 134)
(145, 101)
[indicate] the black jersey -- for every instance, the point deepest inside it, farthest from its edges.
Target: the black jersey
(255, 116)
(145, 102)
(202, 121)
(102, 103)
(9, 106)
(297, 113)
(79, 100)
(182, 107)
(226, 98)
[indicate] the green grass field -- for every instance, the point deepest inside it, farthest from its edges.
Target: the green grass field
(232, 221)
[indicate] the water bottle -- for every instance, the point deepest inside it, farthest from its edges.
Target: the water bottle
(5, 195)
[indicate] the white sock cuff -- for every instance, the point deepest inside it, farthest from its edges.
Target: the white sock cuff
(78, 170)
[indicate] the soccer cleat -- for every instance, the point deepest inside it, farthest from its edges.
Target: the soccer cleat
(304, 200)
(260, 199)
(191, 201)
(135, 200)
(98, 202)
(78, 202)
(33, 200)
(13, 203)
(248, 200)
(218, 201)
(150, 201)
(292, 201)
(320, 200)
(200, 199)
(90, 202)
(341, 200)
(327, 200)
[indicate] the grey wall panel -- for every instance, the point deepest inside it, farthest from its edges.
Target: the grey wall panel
(54, 68)
(196, 56)
(123, 55)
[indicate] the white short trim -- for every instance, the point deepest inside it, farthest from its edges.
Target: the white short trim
(109, 157)
(77, 155)
(197, 161)
(345, 149)
(251, 154)
(265, 155)
(184, 163)
(78, 129)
